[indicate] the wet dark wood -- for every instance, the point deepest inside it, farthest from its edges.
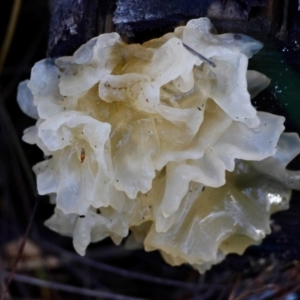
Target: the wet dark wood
(135, 11)
(73, 22)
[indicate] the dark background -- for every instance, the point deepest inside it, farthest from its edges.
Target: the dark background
(43, 28)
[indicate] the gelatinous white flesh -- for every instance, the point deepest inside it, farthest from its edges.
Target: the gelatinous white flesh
(153, 139)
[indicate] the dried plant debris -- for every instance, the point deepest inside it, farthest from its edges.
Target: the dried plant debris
(152, 139)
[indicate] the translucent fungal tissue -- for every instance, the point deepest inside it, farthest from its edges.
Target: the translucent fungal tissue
(160, 143)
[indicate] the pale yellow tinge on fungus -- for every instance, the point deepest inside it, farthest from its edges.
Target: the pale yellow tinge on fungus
(152, 139)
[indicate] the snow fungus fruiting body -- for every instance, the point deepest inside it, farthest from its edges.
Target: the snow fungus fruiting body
(154, 140)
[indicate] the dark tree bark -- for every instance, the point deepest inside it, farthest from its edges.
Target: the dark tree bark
(73, 23)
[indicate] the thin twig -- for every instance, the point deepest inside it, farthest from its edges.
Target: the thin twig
(7, 121)
(282, 293)
(258, 290)
(10, 31)
(211, 63)
(67, 288)
(234, 286)
(17, 145)
(121, 272)
(283, 29)
(21, 248)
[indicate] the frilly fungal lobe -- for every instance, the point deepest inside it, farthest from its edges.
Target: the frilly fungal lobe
(154, 140)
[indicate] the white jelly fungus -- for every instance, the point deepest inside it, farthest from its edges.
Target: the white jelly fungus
(154, 140)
